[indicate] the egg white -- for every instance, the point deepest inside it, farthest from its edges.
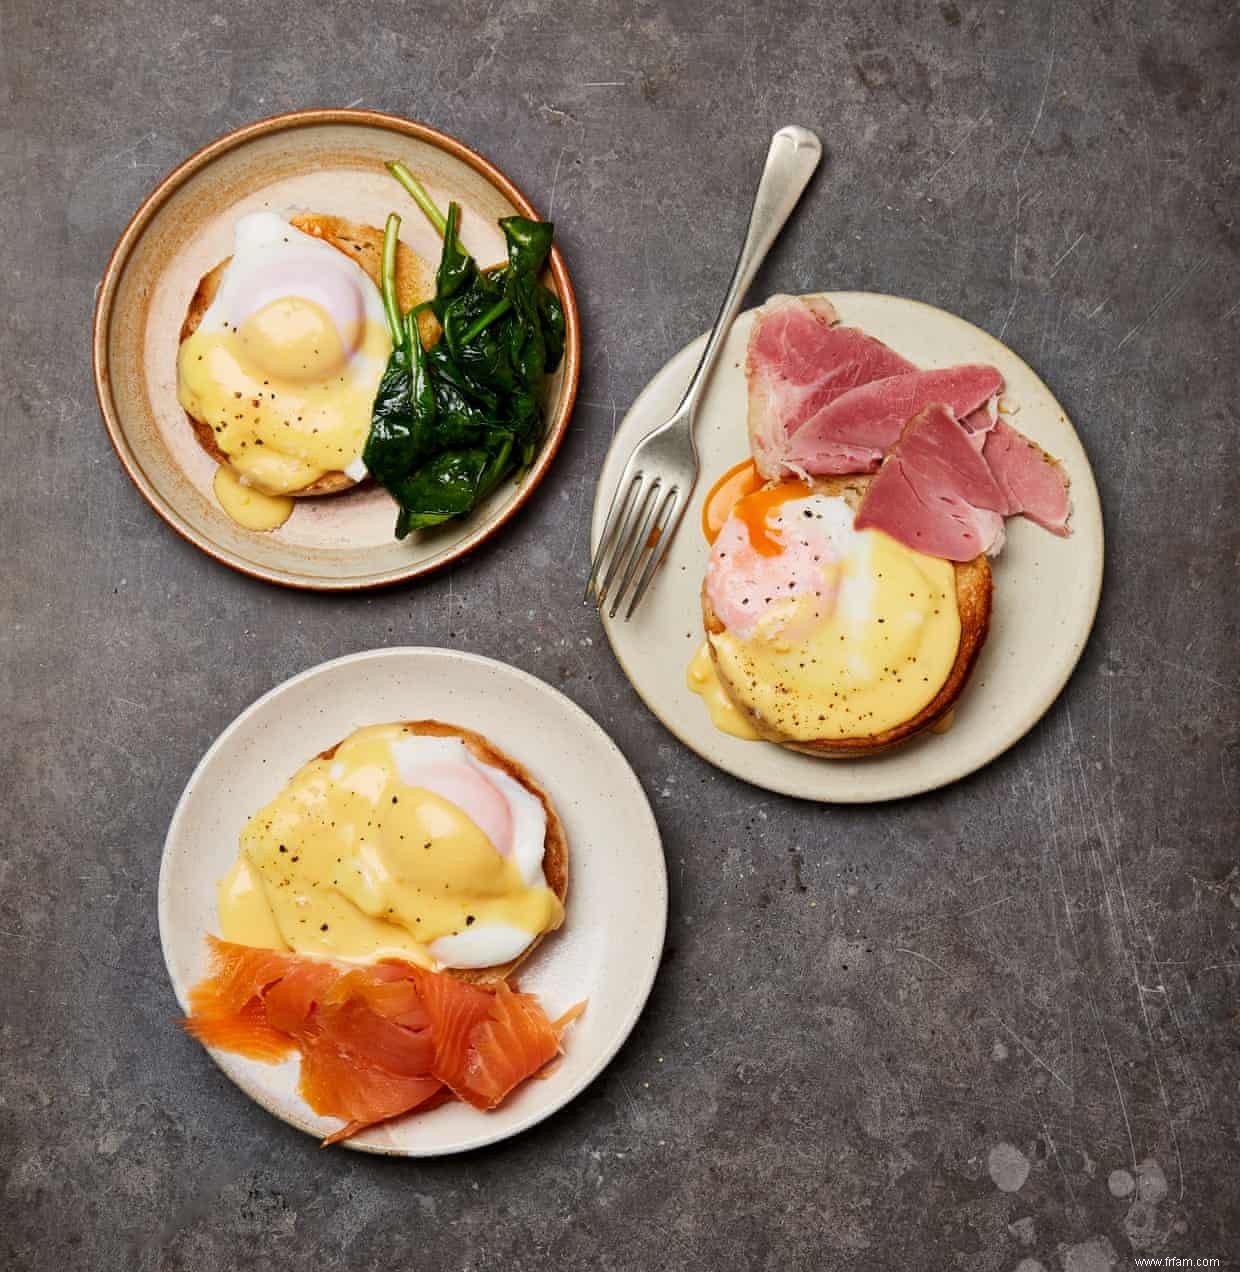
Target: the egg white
(483, 945)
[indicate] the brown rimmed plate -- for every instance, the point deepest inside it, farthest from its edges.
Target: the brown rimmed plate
(314, 160)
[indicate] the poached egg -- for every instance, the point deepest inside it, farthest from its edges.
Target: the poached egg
(285, 364)
(400, 845)
(828, 632)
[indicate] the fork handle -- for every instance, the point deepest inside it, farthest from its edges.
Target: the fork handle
(790, 162)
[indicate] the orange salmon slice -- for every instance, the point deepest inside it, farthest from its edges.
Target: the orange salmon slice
(375, 1042)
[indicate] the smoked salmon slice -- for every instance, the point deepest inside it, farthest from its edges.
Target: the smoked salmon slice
(226, 1010)
(515, 1041)
(375, 1042)
(245, 1032)
(456, 1009)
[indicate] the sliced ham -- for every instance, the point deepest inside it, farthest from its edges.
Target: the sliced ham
(798, 362)
(979, 423)
(935, 493)
(827, 400)
(1033, 482)
(852, 433)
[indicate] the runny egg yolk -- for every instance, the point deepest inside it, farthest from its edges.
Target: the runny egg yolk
(740, 480)
(351, 862)
(754, 512)
(828, 632)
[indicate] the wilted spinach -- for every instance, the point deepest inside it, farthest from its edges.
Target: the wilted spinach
(453, 421)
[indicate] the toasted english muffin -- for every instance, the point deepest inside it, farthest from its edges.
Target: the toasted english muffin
(415, 283)
(973, 602)
(555, 845)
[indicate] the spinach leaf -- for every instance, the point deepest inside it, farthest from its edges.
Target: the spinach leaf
(551, 316)
(529, 244)
(449, 377)
(449, 485)
(450, 423)
(402, 425)
(457, 271)
(476, 339)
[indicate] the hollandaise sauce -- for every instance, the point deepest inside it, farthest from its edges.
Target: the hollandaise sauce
(249, 507)
(356, 860)
(288, 397)
(829, 632)
(725, 715)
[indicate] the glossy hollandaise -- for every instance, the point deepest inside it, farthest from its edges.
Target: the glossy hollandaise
(398, 845)
(285, 363)
(828, 632)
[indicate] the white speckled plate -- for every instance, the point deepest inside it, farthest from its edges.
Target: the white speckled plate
(313, 160)
(1046, 588)
(609, 947)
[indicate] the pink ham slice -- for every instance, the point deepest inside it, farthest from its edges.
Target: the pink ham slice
(979, 423)
(1032, 482)
(935, 493)
(854, 432)
(798, 361)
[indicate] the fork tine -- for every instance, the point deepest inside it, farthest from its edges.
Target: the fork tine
(627, 541)
(641, 543)
(666, 527)
(616, 515)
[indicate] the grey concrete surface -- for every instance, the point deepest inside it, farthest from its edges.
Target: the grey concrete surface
(991, 1028)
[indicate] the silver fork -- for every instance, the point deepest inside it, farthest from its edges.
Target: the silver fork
(653, 491)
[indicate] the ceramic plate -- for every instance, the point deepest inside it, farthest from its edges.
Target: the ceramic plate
(609, 947)
(324, 161)
(1046, 589)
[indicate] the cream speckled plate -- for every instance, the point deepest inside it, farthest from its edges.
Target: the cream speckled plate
(1046, 589)
(609, 947)
(316, 160)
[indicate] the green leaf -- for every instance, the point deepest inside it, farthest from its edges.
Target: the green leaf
(457, 270)
(448, 375)
(551, 316)
(452, 422)
(529, 243)
(447, 486)
(402, 425)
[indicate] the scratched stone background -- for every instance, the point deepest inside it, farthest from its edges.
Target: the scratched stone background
(994, 1027)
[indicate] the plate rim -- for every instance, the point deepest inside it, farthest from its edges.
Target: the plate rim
(136, 226)
(667, 718)
(644, 982)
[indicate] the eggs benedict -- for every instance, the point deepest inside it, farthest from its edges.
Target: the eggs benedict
(282, 351)
(419, 841)
(823, 637)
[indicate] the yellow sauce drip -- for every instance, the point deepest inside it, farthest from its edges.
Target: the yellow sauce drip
(249, 507)
(245, 915)
(864, 669)
(348, 861)
(287, 396)
(944, 722)
(724, 713)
